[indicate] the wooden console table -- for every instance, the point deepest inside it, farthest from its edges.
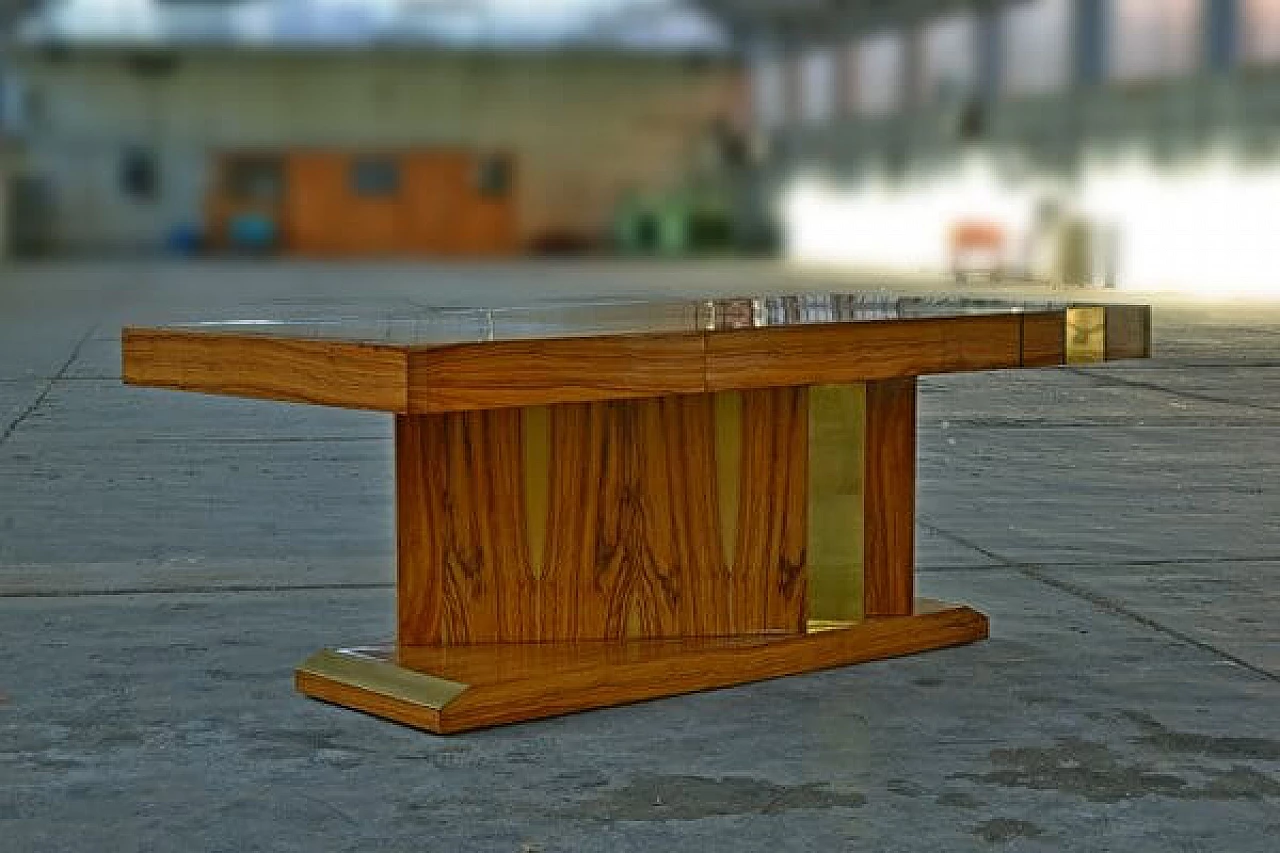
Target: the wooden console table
(599, 503)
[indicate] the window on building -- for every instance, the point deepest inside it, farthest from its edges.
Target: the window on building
(1260, 31)
(768, 92)
(493, 176)
(375, 177)
(881, 72)
(255, 178)
(1036, 47)
(949, 58)
(849, 82)
(139, 176)
(9, 99)
(818, 85)
(1150, 39)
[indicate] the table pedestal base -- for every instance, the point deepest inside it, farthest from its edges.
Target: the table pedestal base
(454, 689)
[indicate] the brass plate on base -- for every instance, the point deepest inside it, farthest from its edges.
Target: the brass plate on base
(1087, 335)
(455, 689)
(367, 670)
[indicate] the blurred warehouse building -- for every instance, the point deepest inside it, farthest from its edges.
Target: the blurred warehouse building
(353, 127)
(1129, 143)
(1113, 143)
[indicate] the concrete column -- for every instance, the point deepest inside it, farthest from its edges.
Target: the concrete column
(912, 64)
(4, 203)
(990, 56)
(1089, 42)
(1222, 35)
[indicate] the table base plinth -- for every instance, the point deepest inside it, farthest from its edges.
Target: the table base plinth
(459, 688)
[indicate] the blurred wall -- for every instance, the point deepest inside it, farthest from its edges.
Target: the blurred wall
(8, 168)
(583, 128)
(1143, 133)
(1051, 84)
(4, 208)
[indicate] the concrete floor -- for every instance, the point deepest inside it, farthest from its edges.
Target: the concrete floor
(165, 559)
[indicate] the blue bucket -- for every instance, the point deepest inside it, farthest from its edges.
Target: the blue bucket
(252, 232)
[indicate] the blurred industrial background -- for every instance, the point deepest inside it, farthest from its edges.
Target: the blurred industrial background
(1127, 144)
(166, 559)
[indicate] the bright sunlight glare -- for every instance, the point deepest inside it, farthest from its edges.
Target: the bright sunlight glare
(1202, 229)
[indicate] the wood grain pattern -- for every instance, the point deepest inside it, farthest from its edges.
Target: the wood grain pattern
(603, 520)
(857, 352)
(510, 683)
(632, 540)
(890, 498)
(464, 568)
(328, 373)
(419, 580)
(1044, 339)
(566, 370)
(768, 574)
(504, 374)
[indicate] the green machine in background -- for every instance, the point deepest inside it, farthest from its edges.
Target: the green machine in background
(721, 206)
(679, 223)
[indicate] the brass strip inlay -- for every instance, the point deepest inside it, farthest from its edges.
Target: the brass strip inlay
(817, 626)
(728, 417)
(1086, 335)
(537, 462)
(837, 450)
(382, 678)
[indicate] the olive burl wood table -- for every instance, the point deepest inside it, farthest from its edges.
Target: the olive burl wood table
(599, 503)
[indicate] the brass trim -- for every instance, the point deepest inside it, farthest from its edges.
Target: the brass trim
(837, 451)
(816, 626)
(1086, 335)
(728, 419)
(361, 672)
(536, 433)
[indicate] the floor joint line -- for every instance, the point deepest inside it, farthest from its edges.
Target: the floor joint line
(1108, 379)
(1037, 573)
(44, 393)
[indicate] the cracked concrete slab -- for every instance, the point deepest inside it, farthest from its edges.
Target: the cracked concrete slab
(166, 559)
(86, 413)
(1113, 493)
(16, 397)
(1253, 386)
(127, 501)
(195, 574)
(1246, 595)
(180, 715)
(1071, 398)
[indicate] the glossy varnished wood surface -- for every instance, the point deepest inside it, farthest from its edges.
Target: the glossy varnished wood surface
(632, 537)
(326, 373)
(510, 683)
(890, 498)
(769, 562)
(604, 520)
(476, 375)
(570, 370)
(1044, 341)
(589, 521)
(857, 352)
(463, 563)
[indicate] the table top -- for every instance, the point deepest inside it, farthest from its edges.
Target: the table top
(413, 325)
(422, 359)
